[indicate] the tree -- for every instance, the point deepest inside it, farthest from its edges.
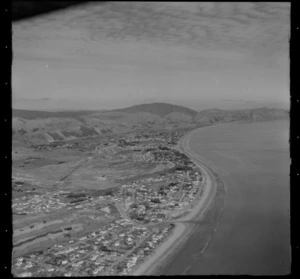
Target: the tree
(133, 205)
(155, 200)
(109, 193)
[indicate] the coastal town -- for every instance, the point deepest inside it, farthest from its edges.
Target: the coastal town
(72, 230)
(147, 139)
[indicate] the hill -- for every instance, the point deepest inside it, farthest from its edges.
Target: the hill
(39, 127)
(159, 109)
(212, 116)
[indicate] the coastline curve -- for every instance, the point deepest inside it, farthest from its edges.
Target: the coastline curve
(186, 226)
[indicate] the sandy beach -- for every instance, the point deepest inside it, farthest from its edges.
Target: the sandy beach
(183, 229)
(162, 252)
(247, 228)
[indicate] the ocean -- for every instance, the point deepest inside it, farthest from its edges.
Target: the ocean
(251, 233)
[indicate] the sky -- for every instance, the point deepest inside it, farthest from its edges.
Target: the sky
(104, 55)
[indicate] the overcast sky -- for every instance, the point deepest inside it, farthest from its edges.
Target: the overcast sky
(115, 54)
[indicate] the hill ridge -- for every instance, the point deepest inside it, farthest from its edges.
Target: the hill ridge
(158, 108)
(45, 126)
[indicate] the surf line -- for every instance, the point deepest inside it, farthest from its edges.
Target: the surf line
(189, 152)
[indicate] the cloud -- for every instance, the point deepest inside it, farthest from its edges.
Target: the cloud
(114, 48)
(240, 26)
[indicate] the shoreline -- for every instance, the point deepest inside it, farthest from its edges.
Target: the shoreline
(164, 250)
(183, 230)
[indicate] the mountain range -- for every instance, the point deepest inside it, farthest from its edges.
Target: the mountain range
(38, 127)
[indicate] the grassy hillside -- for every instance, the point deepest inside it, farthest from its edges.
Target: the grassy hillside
(41, 126)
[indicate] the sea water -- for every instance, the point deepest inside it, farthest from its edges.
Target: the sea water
(252, 235)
